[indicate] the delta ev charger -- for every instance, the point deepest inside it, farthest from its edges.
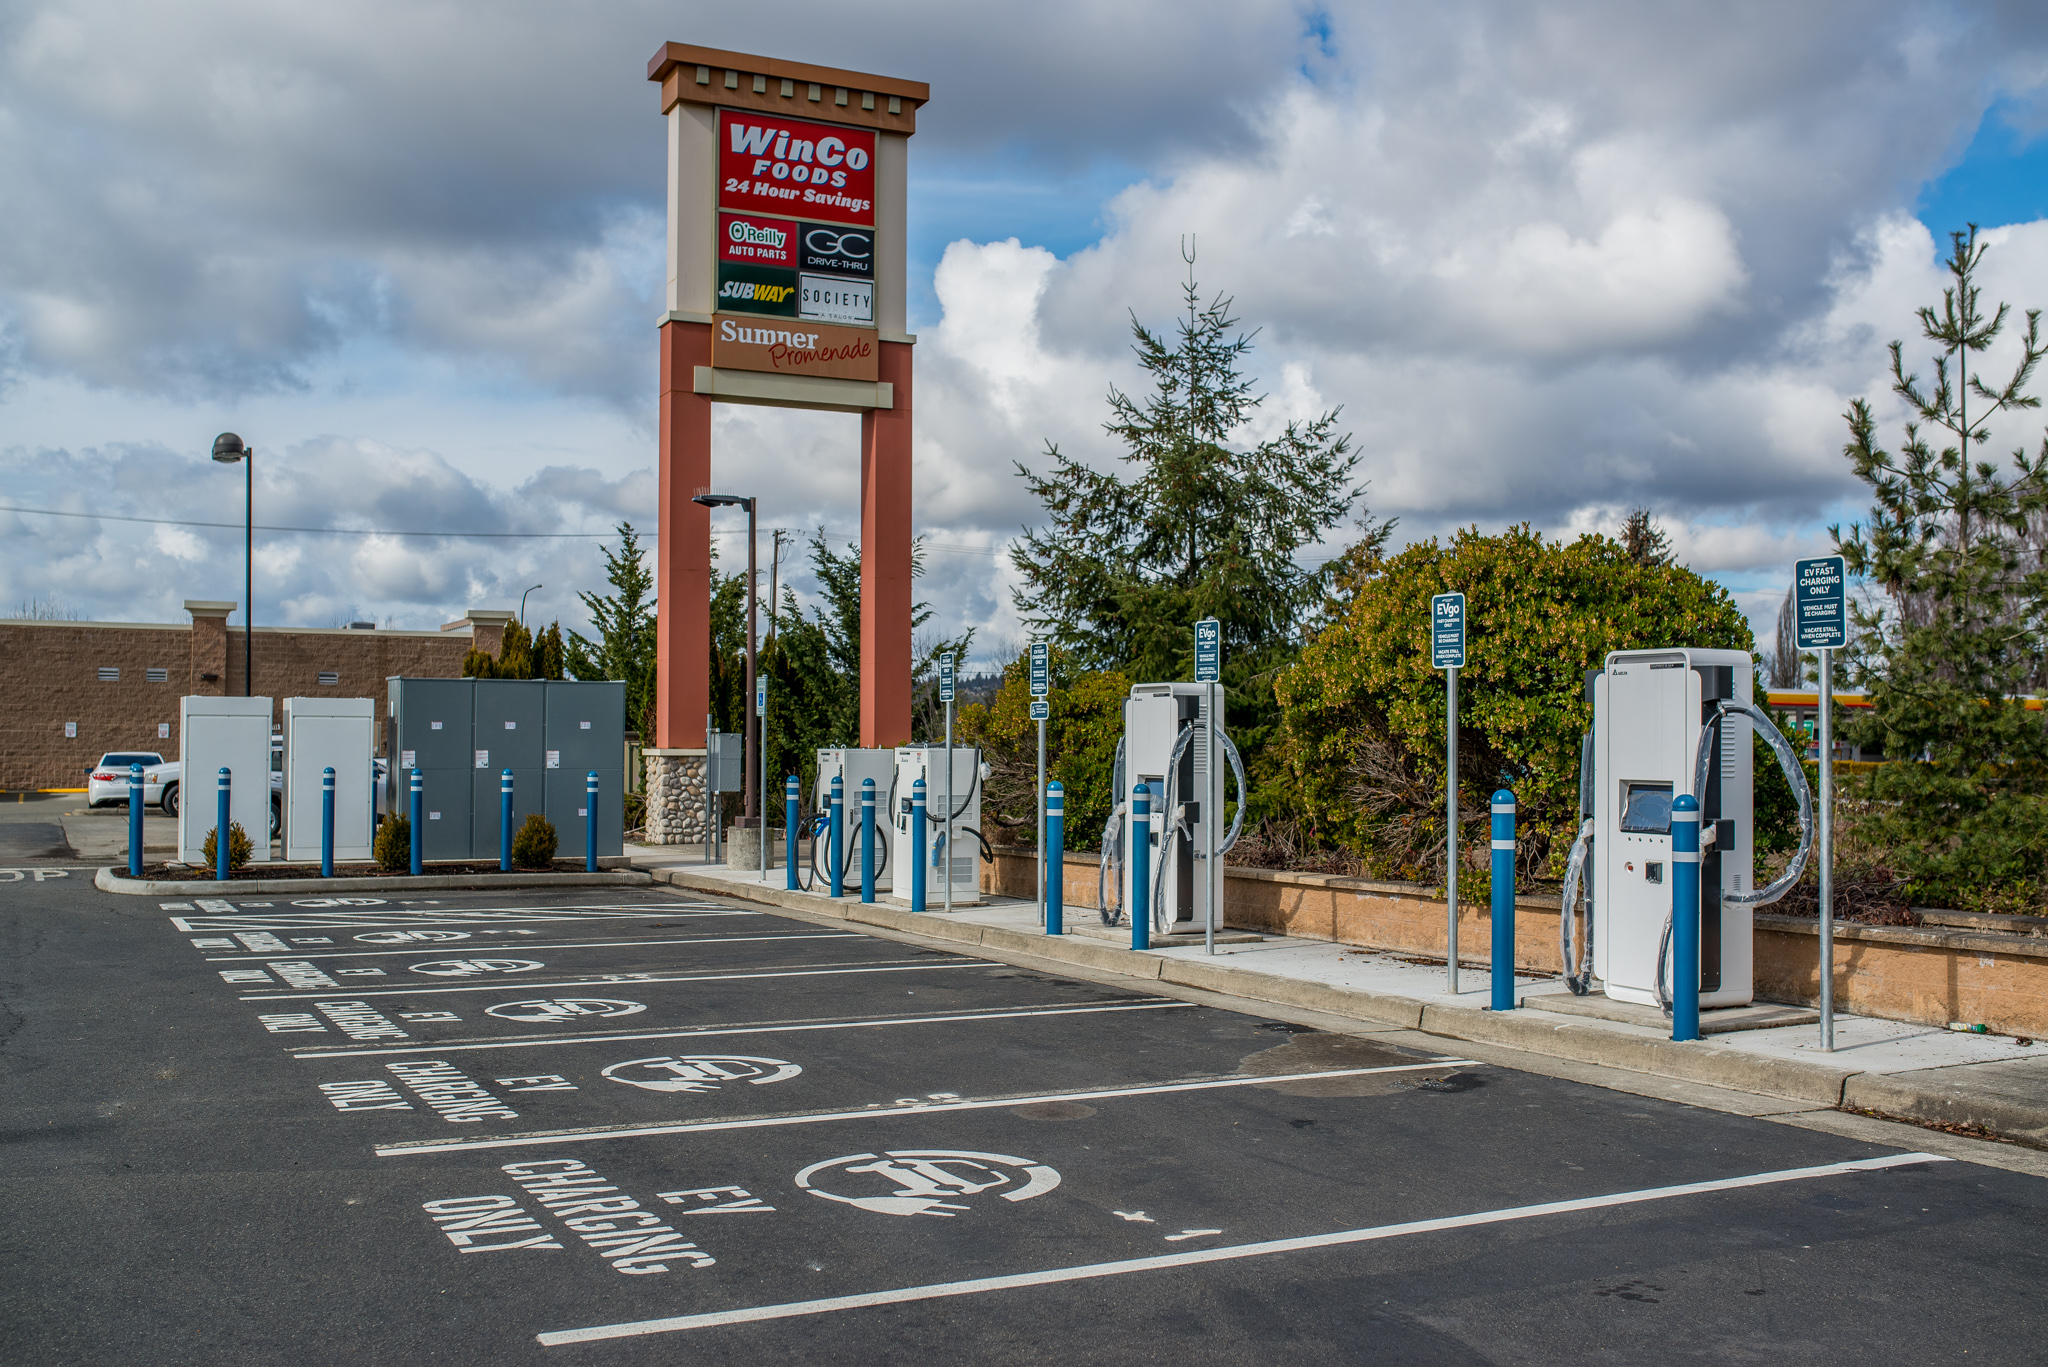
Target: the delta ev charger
(1666, 723)
(962, 860)
(1163, 747)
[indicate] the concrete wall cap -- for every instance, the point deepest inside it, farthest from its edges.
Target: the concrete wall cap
(203, 607)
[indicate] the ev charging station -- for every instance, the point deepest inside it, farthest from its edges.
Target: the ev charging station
(850, 766)
(1163, 748)
(957, 859)
(328, 733)
(231, 734)
(1666, 724)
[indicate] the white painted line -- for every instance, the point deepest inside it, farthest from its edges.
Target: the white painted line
(414, 950)
(513, 1141)
(1196, 1257)
(1032, 1011)
(520, 984)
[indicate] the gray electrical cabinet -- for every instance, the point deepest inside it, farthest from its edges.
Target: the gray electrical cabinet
(586, 732)
(430, 727)
(511, 725)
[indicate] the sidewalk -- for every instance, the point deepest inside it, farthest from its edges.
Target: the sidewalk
(1994, 1083)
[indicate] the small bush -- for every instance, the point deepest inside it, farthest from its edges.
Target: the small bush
(394, 844)
(534, 846)
(635, 810)
(239, 848)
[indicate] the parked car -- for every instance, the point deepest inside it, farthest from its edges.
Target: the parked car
(107, 782)
(171, 777)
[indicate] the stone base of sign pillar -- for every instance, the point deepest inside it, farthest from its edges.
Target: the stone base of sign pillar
(675, 796)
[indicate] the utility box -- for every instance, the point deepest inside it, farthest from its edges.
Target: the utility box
(216, 734)
(958, 858)
(851, 766)
(431, 727)
(322, 733)
(1649, 707)
(585, 731)
(510, 721)
(1166, 749)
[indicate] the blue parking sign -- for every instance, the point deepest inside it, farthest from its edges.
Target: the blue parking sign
(1447, 631)
(1820, 594)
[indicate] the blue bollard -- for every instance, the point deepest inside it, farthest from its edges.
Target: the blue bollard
(867, 840)
(917, 845)
(135, 821)
(1685, 918)
(792, 795)
(590, 822)
(220, 829)
(505, 821)
(835, 823)
(1055, 855)
(1503, 900)
(1140, 861)
(327, 822)
(419, 817)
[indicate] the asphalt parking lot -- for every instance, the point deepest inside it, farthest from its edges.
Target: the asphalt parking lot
(628, 1126)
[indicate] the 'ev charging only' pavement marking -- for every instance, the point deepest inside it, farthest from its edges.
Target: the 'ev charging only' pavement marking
(552, 945)
(1196, 1257)
(606, 980)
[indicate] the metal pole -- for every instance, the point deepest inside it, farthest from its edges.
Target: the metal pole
(505, 821)
(792, 796)
(1140, 863)
(867, 840)
(835, 859)
(711, 797)
(752, 726)
(1827, 850)
(220, 826)
(327, 822)
(946, 846)
(1056, 833)
(1212, 812)
(917, 820)
(248, 575)
(761, 723)
(590, 822)
(135, 821)
(1503, 900)
(1451, 821)
(419, 813)
(1685, 917)
(1042, 866)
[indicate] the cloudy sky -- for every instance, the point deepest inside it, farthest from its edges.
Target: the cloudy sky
(1553, 261)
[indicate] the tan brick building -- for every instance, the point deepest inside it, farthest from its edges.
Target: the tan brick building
(70, 691)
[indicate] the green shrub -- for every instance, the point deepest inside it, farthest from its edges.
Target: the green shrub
(635, 808)
(534, 846)
(394, 844)
(239, 848)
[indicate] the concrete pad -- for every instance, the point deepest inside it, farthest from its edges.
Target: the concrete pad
(1988, 1153)
(1868, 1045)
(1719, 1021)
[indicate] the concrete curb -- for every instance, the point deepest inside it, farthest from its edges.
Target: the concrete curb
(1707, 1061)
(112, 880)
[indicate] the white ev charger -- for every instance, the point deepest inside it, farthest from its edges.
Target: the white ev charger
(962, 861)
(1665, 723)
(1162, 748)
(851, 766)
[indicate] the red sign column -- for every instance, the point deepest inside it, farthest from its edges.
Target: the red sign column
(885, 589)
(682, 578)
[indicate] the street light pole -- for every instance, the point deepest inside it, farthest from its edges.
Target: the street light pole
(228, 449)
(522, 603)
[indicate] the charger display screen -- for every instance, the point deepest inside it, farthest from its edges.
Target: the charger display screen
(1646, 808)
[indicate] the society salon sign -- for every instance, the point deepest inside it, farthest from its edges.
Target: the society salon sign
(782, 348)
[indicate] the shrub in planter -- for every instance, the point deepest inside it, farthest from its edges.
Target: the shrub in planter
(394, 844)
(239, 848)
(534, 845)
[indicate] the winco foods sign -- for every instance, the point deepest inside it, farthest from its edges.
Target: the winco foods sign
(793, 166)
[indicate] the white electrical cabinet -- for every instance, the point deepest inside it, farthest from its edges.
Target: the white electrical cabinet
(1185, 795)
(1648, 710)
(216, 734)
(959, 857)
(851, 766)
(320, 733)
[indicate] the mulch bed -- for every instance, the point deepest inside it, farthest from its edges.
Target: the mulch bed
(182, 873)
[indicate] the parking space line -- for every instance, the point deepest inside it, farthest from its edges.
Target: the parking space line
(1195, 1257)
(706, 1032)
(414, 951)
(613, 980)
(577, 1136)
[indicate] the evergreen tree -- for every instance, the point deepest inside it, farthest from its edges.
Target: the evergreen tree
(1952, 543)
(625, 622)
(1646, 542)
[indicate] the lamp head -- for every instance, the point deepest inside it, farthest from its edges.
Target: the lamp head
(228, 448)
(723, 501)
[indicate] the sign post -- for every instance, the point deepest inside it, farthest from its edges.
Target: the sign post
(1447, 652)
(1209, 669)
(1821, 591)
(1041, 708)
(946, 697)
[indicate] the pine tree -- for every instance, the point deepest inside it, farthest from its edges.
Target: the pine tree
(625, 622)
(1952, 543)
(1646, 543)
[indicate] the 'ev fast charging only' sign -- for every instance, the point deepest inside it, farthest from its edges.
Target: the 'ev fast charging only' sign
(1821, 592)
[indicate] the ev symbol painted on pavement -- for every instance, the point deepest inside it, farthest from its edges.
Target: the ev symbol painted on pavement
(917, 1181)
(470, 968)
(699, 1072)
(556, 1010)
(408, 937)
(339, 902)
